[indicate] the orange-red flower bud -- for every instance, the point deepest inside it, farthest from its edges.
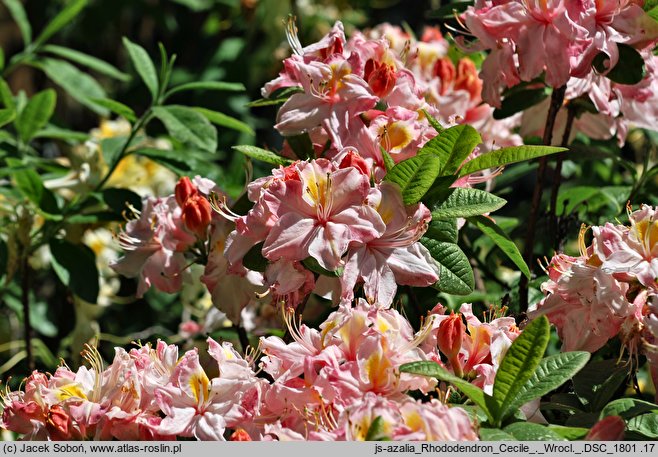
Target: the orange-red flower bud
(609, 428)
(352, 159)
(446, 72)
(184, 190)
(380, 77)
(450, 336)
(240, 435)
(197, 214)
(468, 79)
(58, 422)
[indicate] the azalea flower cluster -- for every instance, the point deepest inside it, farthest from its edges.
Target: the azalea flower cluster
(563, 39)
(610, 290)
(372, 93)
(327, 384)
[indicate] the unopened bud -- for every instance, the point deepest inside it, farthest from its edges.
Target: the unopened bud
(58, 421)
(184, 190)
(609, 428)
(468, 79)
(197, 214)
(446, 72)
(240, 435)
(451, 334)
(353, 159)
(380, 76)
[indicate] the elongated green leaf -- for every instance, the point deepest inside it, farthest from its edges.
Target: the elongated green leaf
(181, 162)
(31, 186)
(6, 116)
(569, 433)
(86, 60)
(6, 96)
(302, 146)
(466, 202)
(456, 143)
(75, 265)
(433, 122)
(51, 131)
(17, 11)
(77, 84)
(116, 107)
(224, 120)
(627, 408)
(597, 383)
(207, 85)
(111, 149)
(415, 175)
(143, 65)
(443, 230)
(434, 370)
(377, 430)
(455, 272)
(519, 365)
(262, 154)
(70, 11)
(629, 69)
(506, 156)
(527, 431)
(495, 434)
(519, 101)
(551, 373)
(119, 199)
(645, 424)
(277, 98)
(314, 266)
(500, 238)
(188, 126)
(36, 114)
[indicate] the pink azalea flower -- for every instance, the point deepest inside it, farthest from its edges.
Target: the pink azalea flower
(395, 257)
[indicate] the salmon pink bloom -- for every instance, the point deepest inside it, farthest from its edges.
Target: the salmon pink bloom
(320, 214)
(396, 257)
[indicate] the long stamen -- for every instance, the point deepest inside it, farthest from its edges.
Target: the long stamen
(292, 36)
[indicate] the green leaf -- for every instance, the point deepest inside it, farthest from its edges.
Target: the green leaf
(506, 156)
(433, 122)
(313, 265)
(415, 175)
(188, 126)
(527, 431)
(118, 199)
(17, 11)
(443, 230)
(116, 107)
(434, 370)
(466, 202)
(389, 163)
(86, 60)
(377, 430)
(70, 11)
(75, 265)
(144, 66)
(628, 408)
(455, 272)
(552, 372)
(254, 260)
(628, 70)
(31, 186)
(6, 116)
(179, 161)
(495, 434)
(500, 238)
(645, 424)
(77, 84)
(278, 97)
(302, 146)
(518, 365)
(456, 144)
(597, 383)
(207, 85)
(224, 120)
(519, 101)
(569, 433)
(6, 96)
(36, 114)
(262, 154)
(111, 149)
(57, 133)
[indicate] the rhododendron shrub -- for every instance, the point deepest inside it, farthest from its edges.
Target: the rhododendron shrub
(361, 280)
